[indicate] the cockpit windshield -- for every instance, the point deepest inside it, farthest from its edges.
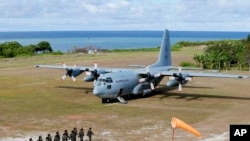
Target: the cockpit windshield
(107, 80)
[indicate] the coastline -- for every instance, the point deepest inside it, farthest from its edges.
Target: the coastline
(66, 40)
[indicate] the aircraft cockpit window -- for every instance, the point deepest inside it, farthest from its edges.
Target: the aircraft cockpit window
(109, 80)
(102, 80)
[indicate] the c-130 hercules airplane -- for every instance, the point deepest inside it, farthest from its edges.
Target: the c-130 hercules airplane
(113, 83)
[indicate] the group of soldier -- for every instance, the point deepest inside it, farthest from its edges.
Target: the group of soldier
(66, 136)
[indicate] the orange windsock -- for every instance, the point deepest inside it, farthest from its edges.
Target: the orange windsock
(177, 123)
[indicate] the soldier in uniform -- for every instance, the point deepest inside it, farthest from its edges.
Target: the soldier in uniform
(73, 136)
(64, 137)
(89, 134)
(81, 135)
(66, 134)
(40, 138)
(75, 131)
(57, 137)
(49, 137)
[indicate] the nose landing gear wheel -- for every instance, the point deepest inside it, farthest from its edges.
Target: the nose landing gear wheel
(105, 100)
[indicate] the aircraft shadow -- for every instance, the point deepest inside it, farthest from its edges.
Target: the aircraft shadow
(184, 86)
(196, 96)
(165, 92)
(132, 97)
(87, 89)
(200, 87)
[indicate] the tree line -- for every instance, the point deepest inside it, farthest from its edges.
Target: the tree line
(220, 55)
(225, 55)
(14, 48)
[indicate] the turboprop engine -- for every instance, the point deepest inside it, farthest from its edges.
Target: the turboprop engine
(178, 79)
(93, 75)
(149, 79)
(173, 83)
(89, 78)
(71, 72)
(142, 88)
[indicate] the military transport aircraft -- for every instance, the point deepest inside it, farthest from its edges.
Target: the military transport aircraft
(113, 83)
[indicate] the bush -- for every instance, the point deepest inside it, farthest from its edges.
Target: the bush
(44, 47)
(13, 48)
(248, 38)
(176, 47)
(225, 54)
(9, 49)
(187, 64)
(57, 53)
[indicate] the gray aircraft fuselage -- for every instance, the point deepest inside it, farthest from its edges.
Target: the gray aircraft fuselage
(121, 83)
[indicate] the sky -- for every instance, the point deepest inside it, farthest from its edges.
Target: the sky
(81, 15)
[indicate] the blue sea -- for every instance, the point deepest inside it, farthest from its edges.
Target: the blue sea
(66, 40)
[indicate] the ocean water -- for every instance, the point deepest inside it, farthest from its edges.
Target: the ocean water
(66, 40)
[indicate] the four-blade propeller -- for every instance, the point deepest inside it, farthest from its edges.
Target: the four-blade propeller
(93, 73)
(149, 78)
(180, 78)
(69, 72)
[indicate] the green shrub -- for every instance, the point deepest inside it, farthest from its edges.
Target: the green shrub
(187, 64)
(176, 47)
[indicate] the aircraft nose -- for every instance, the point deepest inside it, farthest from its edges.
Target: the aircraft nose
(98, 92)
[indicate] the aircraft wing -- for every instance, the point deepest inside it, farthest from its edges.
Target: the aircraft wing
(50, 66)
(183, 68)
(73, 71)
(83, 68)
(204, 74)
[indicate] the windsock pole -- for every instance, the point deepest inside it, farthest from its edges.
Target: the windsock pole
(172, 134)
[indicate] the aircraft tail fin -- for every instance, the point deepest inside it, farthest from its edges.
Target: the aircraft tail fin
(164, 58)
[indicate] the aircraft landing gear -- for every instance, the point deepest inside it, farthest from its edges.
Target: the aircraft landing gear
(105, 100)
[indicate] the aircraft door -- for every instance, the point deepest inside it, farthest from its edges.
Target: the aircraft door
(120, 92)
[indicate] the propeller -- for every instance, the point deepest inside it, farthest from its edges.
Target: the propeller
(149, 78)
(94, 73)
(69, 72)
(180, 78)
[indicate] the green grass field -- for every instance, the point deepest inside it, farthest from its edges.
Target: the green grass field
(35, 101)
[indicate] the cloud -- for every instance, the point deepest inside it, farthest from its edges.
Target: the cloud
(124, 15)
